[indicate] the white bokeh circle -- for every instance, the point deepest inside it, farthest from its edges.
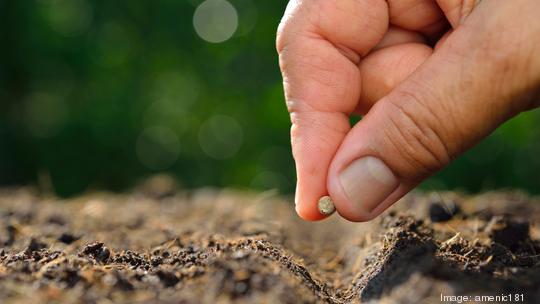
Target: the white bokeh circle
(215, 20)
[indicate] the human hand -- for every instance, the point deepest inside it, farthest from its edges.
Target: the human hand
(422, 105)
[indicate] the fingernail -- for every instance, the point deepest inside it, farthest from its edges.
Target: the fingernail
(367, 182)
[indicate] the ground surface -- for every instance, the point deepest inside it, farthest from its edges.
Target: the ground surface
(221, 246)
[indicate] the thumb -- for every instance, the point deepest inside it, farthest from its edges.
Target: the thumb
(464, 91)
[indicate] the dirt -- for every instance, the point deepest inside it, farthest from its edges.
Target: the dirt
(224, 246)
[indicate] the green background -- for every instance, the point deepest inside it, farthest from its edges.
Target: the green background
(100, 94)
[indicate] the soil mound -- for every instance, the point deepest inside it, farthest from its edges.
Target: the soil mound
(223, 246)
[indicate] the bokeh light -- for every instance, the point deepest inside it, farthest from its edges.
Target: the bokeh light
(68, 17)
(220, 137)
(215, 20)
(158, 148)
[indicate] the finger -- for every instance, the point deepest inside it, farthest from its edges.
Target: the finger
(319, 45)
(396, 35)
(393, 59)
(457, 10)
(458, 96)
(423, 16)
(383, 70)
(386, 68)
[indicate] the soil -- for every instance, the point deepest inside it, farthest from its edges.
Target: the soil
(224, 246)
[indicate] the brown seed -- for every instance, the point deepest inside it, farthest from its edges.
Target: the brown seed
(326, 205)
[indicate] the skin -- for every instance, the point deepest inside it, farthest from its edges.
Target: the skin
(430, 77)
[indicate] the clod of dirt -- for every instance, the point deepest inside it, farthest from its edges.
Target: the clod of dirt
(35, 245)
(168, 278)
(68, 238)
(509, 233)
(97, 251)
(11, 231)
(440, 211)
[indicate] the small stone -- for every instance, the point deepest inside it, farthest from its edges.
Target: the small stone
(326, 205)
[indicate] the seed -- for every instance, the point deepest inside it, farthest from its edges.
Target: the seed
(326, 205)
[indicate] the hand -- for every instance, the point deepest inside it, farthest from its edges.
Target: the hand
(422, 105)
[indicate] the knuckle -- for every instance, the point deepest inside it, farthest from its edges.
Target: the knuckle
(415, 132)
(290, 23)
(284, 59)
(295, 108)
(281, 36)
(305, 116)
(329, 83)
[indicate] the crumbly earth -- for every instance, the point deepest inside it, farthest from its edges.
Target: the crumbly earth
(223, 246)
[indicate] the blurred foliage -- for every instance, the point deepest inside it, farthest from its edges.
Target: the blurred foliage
(99, 94)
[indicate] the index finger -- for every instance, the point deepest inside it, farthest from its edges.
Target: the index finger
(320, 44)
